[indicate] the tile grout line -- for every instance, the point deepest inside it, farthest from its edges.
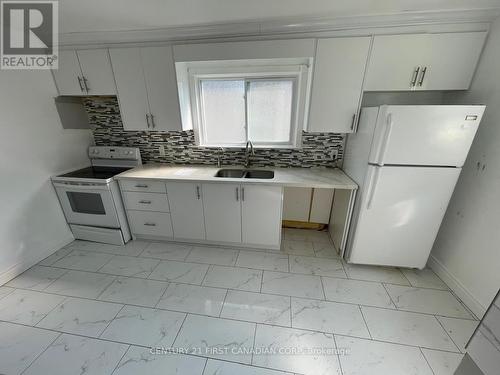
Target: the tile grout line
(366, 323)
(265, 252)
(43, 351)
(180, 329)
(338, 354)
(269, 293)
(447, 334)
(120, 360)
(407, 279)
(223, 303)
(233, 320)
(322, 288)
(253, 344)
(55, 307)
(426, 361)
(390, 297)
(110, 321)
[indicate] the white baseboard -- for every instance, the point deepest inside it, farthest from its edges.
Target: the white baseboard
(30, 261)
(456, 286)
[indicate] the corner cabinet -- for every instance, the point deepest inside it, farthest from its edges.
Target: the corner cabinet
(337, 87)
(444, 61)
(84, 72)
(147, 88)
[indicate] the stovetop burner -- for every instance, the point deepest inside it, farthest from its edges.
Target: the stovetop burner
(96, 172)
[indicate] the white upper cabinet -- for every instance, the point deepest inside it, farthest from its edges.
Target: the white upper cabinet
(339, 70)
(261, 215)
(186, 208)
(147, 88)
(452, 60)
(161, 83)
(423, 61)
(222, 207)
(84, 72)
(131, 86)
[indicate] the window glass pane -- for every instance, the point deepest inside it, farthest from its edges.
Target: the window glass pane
(223, 110)
(269, 110)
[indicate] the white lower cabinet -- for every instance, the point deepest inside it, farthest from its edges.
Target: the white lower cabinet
(225, 213)
(222, 207)
(261, 215)
(186, 208)
(149, 223)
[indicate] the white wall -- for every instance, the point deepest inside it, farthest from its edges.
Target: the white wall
(33, 146)
(467, 250)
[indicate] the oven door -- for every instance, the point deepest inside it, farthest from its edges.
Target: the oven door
(88, 204)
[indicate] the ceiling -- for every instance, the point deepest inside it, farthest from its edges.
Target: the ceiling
(119, 15)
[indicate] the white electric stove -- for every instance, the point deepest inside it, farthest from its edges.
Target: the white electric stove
(90, 197)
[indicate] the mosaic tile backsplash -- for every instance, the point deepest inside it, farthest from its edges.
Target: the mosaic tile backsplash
(318, 149)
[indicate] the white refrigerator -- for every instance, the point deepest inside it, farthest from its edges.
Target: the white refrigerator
(406, 161)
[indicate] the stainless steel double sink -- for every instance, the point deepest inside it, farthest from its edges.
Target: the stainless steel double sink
(245, 173)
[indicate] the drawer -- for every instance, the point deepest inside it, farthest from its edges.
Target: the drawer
(146, 201)
(150, 223)
(147, 186)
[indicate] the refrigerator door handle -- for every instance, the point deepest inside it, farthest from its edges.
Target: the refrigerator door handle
(373, 187)
(387, 136)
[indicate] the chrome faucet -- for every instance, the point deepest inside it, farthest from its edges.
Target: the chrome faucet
(220, 155)
(247, 153)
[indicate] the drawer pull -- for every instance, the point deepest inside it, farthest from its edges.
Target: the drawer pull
(145, 202)
(141, 186)
(150, 224)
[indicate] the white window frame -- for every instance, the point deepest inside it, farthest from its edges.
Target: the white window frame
(190, 75)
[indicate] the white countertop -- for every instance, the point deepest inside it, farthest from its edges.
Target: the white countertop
(327, 178)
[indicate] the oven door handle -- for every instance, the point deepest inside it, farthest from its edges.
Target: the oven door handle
(81, 187)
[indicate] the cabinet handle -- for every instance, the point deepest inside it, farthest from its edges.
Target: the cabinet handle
(353, 122)
(81, 84)
(85, 80)
(237, 194)
(145, 202)
(141, 186)
(242, 193)
(422, 76)
(198, 195)
(414, 77)
(150, 224)
(147, 120)
(153, 125)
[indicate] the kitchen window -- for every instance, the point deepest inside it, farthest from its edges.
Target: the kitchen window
(231, 104)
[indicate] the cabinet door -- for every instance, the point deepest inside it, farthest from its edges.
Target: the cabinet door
(161, 83)
(222, 208)
(394, 60)
(186, 208)
(96, 69)
(338, 83)
(68, 73)
(452, 60)
(261, 215)
(131, 88)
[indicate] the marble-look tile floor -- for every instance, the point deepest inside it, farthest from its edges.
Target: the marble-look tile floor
(170, 308)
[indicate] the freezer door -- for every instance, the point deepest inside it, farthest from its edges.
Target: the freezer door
(438, 135)
(400, 212)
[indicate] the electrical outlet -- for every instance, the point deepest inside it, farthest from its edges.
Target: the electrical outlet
(161, 150)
